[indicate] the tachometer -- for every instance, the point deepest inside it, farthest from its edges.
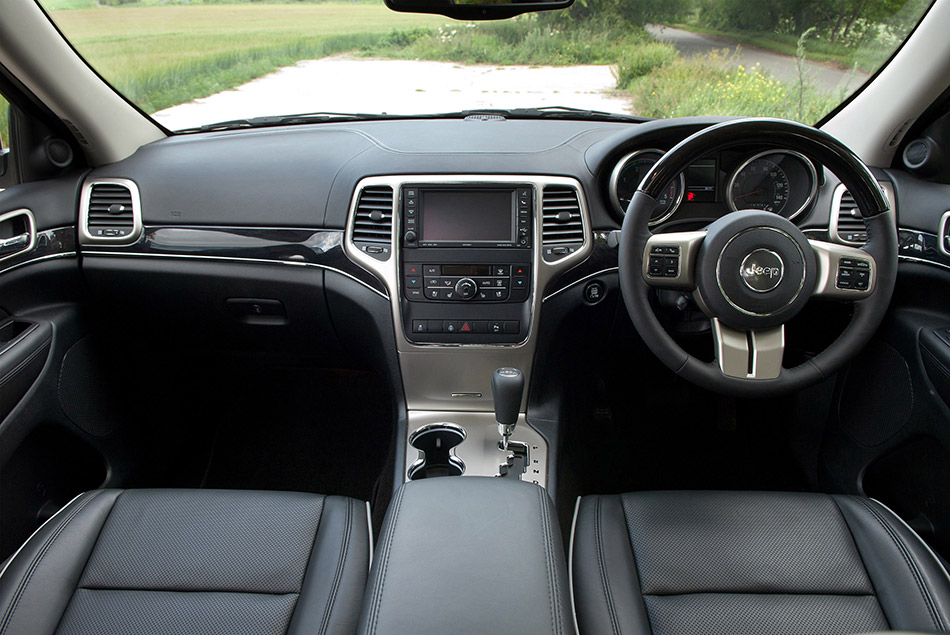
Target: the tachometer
(627, 176)
(778, 181)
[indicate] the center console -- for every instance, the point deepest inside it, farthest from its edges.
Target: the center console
(466, 260)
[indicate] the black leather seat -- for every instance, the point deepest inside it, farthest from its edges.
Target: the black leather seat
(191, 561)
(731, 562)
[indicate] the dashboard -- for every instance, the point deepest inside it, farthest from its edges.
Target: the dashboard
(444, 248)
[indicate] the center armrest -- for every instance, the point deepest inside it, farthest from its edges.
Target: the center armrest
(468, 554)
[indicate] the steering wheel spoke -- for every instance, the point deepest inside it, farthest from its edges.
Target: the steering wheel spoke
(844, 273)
(669, 260)
(755, 354)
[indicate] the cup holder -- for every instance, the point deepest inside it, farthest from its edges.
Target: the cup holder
(435, 442)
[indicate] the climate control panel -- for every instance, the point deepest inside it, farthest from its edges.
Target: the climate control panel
(484, 282)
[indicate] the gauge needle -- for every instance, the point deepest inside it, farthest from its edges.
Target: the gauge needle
(748, 194)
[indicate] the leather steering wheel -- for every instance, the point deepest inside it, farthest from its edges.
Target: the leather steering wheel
(752, 271)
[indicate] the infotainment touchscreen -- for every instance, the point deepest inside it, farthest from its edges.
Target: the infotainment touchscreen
(468, 216)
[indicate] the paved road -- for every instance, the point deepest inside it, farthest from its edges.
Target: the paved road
(781, 66)
(402, 87)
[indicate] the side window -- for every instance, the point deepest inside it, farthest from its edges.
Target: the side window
(4, 124)
(4, 140)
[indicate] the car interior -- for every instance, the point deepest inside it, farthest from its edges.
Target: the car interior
(471, 373)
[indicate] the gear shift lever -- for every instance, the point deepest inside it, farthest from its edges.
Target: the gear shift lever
(507, 385)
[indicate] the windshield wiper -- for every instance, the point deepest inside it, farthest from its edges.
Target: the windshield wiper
(553, 112)
(285, 120)
(543, 112)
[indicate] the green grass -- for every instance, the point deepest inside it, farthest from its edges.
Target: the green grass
(159, 56)
(523, 40)
(711, 85)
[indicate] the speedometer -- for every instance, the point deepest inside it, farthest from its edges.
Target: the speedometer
(628, 175)
(778, 181)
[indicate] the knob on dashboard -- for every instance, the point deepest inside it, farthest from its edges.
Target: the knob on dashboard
(410, 236)
(466, 288)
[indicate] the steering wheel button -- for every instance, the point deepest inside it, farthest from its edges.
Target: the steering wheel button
(844, 284)
(670, 272)
(845, 274)
(862, 264)
(846, 262)
(656, 270)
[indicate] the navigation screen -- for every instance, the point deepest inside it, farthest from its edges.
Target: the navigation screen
(468, 216)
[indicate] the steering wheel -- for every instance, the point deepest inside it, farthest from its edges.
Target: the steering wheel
(753, 271)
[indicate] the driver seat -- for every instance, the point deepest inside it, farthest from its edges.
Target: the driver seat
(751, 562)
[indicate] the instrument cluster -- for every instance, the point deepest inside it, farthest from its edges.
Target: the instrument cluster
(780, 181)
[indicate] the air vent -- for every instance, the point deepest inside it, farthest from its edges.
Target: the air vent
(847, 224)
(110, 212)
(562, 230)
(373, 221)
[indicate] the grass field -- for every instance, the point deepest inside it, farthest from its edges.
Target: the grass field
(162, 55)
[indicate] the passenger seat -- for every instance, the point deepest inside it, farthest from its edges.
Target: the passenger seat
(191, 561)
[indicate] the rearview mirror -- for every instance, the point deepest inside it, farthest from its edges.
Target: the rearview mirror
(476, 9)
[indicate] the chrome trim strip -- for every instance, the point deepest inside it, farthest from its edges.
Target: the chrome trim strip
(942, 234)
(801, 157)
(31, 230)
(602, 272)
(923, 261)
(369, 527)
(135, 254)
(570, 565)
(33, 261)
(85, 238)
(615, 176)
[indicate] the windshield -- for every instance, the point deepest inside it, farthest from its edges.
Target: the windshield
(190, 63)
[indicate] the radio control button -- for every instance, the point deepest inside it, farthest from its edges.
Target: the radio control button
(410, 236)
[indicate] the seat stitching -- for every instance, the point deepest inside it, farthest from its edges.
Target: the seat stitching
(601, 565)
(21, 588)
(553, 602)
(338, 575)
(911, 565)
(378, 590)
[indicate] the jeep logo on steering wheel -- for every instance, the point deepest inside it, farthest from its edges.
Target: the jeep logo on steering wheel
(762, 270)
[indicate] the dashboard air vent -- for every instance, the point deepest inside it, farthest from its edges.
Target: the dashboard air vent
(562, 230)
(373, 221)
(111, 212)
(847, 225)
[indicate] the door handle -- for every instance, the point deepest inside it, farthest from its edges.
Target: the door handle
(17, 233)
(10, 246)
